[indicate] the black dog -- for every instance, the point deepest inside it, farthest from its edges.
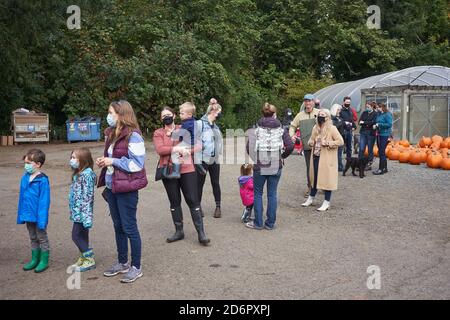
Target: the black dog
(356, 163)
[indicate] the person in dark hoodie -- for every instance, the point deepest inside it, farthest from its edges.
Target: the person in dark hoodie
(349, 125)
(268, 145)
(367, 134)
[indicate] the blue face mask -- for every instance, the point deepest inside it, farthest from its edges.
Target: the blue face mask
(29, 168)
(111, 121)
(74, 164)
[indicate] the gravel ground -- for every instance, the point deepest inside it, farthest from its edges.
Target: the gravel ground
(398, 222)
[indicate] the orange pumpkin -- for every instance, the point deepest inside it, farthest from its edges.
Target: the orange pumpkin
(425, 142)
(437, 139)
(394, 154)
(444, 152)
(443, 144)
(423, 157)
(435, 146)
(404, 143)
(376, 151)
(404, 157)
(434, 160)
(445, 164)
(415, 157)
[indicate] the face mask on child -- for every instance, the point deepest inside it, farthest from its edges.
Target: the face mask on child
(74, 164)
(29, 168)
(111, 121)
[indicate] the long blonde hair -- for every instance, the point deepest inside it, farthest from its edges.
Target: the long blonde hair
(326, 126)
(127, 118)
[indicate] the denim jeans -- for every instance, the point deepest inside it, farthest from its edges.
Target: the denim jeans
(123, 207)
(272, 186)
(340, 164)
(316, 172)
(348, 144)
(366, 140)
(382, 144)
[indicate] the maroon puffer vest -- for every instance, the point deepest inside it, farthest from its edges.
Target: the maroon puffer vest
(122, 181)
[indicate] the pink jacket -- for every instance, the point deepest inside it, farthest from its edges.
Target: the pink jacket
(246, 190)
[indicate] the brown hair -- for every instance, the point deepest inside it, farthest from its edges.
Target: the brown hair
(383, 107)
(269, 110)
(85, 160)
(246, 169)
(127, 118)
(35, 155)
(374, 105)
(167, 108)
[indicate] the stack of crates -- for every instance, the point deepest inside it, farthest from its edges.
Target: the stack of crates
(30, 127)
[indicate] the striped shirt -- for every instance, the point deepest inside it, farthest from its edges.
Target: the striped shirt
(134, 162)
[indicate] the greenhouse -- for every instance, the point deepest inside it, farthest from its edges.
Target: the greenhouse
(419, 98)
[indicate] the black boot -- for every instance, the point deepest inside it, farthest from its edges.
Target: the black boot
(385, 170)
(198, 223)
(380, 168)
(177, 217)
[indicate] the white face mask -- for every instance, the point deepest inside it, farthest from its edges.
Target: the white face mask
(111, 121)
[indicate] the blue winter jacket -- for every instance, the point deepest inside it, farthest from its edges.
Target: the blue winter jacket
(384, 121)
(34, 200)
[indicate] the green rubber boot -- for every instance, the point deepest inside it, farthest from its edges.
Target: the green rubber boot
(35, 255)
(43, 263)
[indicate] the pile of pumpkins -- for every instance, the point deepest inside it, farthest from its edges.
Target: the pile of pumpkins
(434, 152)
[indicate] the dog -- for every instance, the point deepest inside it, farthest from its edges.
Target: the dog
(356, 163)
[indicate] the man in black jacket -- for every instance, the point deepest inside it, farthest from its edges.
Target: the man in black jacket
(367, 134)
(349, 125)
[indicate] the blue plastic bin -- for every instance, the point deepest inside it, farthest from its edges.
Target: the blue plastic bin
(83, 129)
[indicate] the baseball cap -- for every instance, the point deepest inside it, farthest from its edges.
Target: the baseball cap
(308, 97)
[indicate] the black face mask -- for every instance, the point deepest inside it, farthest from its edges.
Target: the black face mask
(321, 120)
(317, 105)
(347, 105)
(168, 121)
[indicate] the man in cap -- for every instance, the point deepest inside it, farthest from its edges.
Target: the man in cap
(305, 121)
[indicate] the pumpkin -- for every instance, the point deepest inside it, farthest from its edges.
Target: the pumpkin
(445, 164)
(447, 142)
(404, 143)
(443, 144)
(415, 157)
(434, 160)
(404, 157)
(435, 146)
(423, 157)
(376, 151)
(437, 139)
(425, 142)
(394, 154)
(444, 152)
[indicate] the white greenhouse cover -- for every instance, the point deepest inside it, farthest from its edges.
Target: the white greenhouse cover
(433, 76)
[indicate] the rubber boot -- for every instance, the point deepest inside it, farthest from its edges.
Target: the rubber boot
(43, 263)
(35, 255)
(177, 217)
(385, 170)
(198, 223)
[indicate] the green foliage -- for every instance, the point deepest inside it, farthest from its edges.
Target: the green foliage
(242, 52)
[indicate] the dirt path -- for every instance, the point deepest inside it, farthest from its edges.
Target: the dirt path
(399, 222)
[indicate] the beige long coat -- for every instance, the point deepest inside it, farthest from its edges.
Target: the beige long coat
(328, 163)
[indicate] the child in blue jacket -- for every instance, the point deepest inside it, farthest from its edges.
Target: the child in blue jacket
(34, 204)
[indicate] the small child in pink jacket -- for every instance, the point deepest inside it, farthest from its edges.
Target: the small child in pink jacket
(246, 190)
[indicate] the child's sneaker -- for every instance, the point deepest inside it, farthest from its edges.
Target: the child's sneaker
(132, 275)
(87, 261)
(79, 262)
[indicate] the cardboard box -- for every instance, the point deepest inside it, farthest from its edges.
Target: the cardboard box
(4, 141)
(10, 140)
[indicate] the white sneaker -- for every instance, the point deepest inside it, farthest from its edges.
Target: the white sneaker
(308, 202)
(325, 206)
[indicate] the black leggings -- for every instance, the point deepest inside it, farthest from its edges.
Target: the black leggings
(186, 184)
(214, 175)
(80, 236)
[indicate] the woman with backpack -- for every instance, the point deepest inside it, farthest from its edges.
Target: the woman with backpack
(269, 144)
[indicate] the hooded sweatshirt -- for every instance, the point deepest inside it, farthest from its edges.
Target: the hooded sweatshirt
(246, 190)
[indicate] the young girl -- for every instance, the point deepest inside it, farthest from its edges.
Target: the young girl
(246, 190)
(81, 205)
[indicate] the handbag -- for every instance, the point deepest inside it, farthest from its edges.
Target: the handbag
(169, 171)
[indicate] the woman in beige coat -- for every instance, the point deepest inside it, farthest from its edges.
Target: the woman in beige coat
(325, 140)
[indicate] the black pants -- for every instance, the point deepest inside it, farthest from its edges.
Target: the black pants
(307, 154)
(80, 236)
(316, 160)
(186, 184)
(214, 175)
